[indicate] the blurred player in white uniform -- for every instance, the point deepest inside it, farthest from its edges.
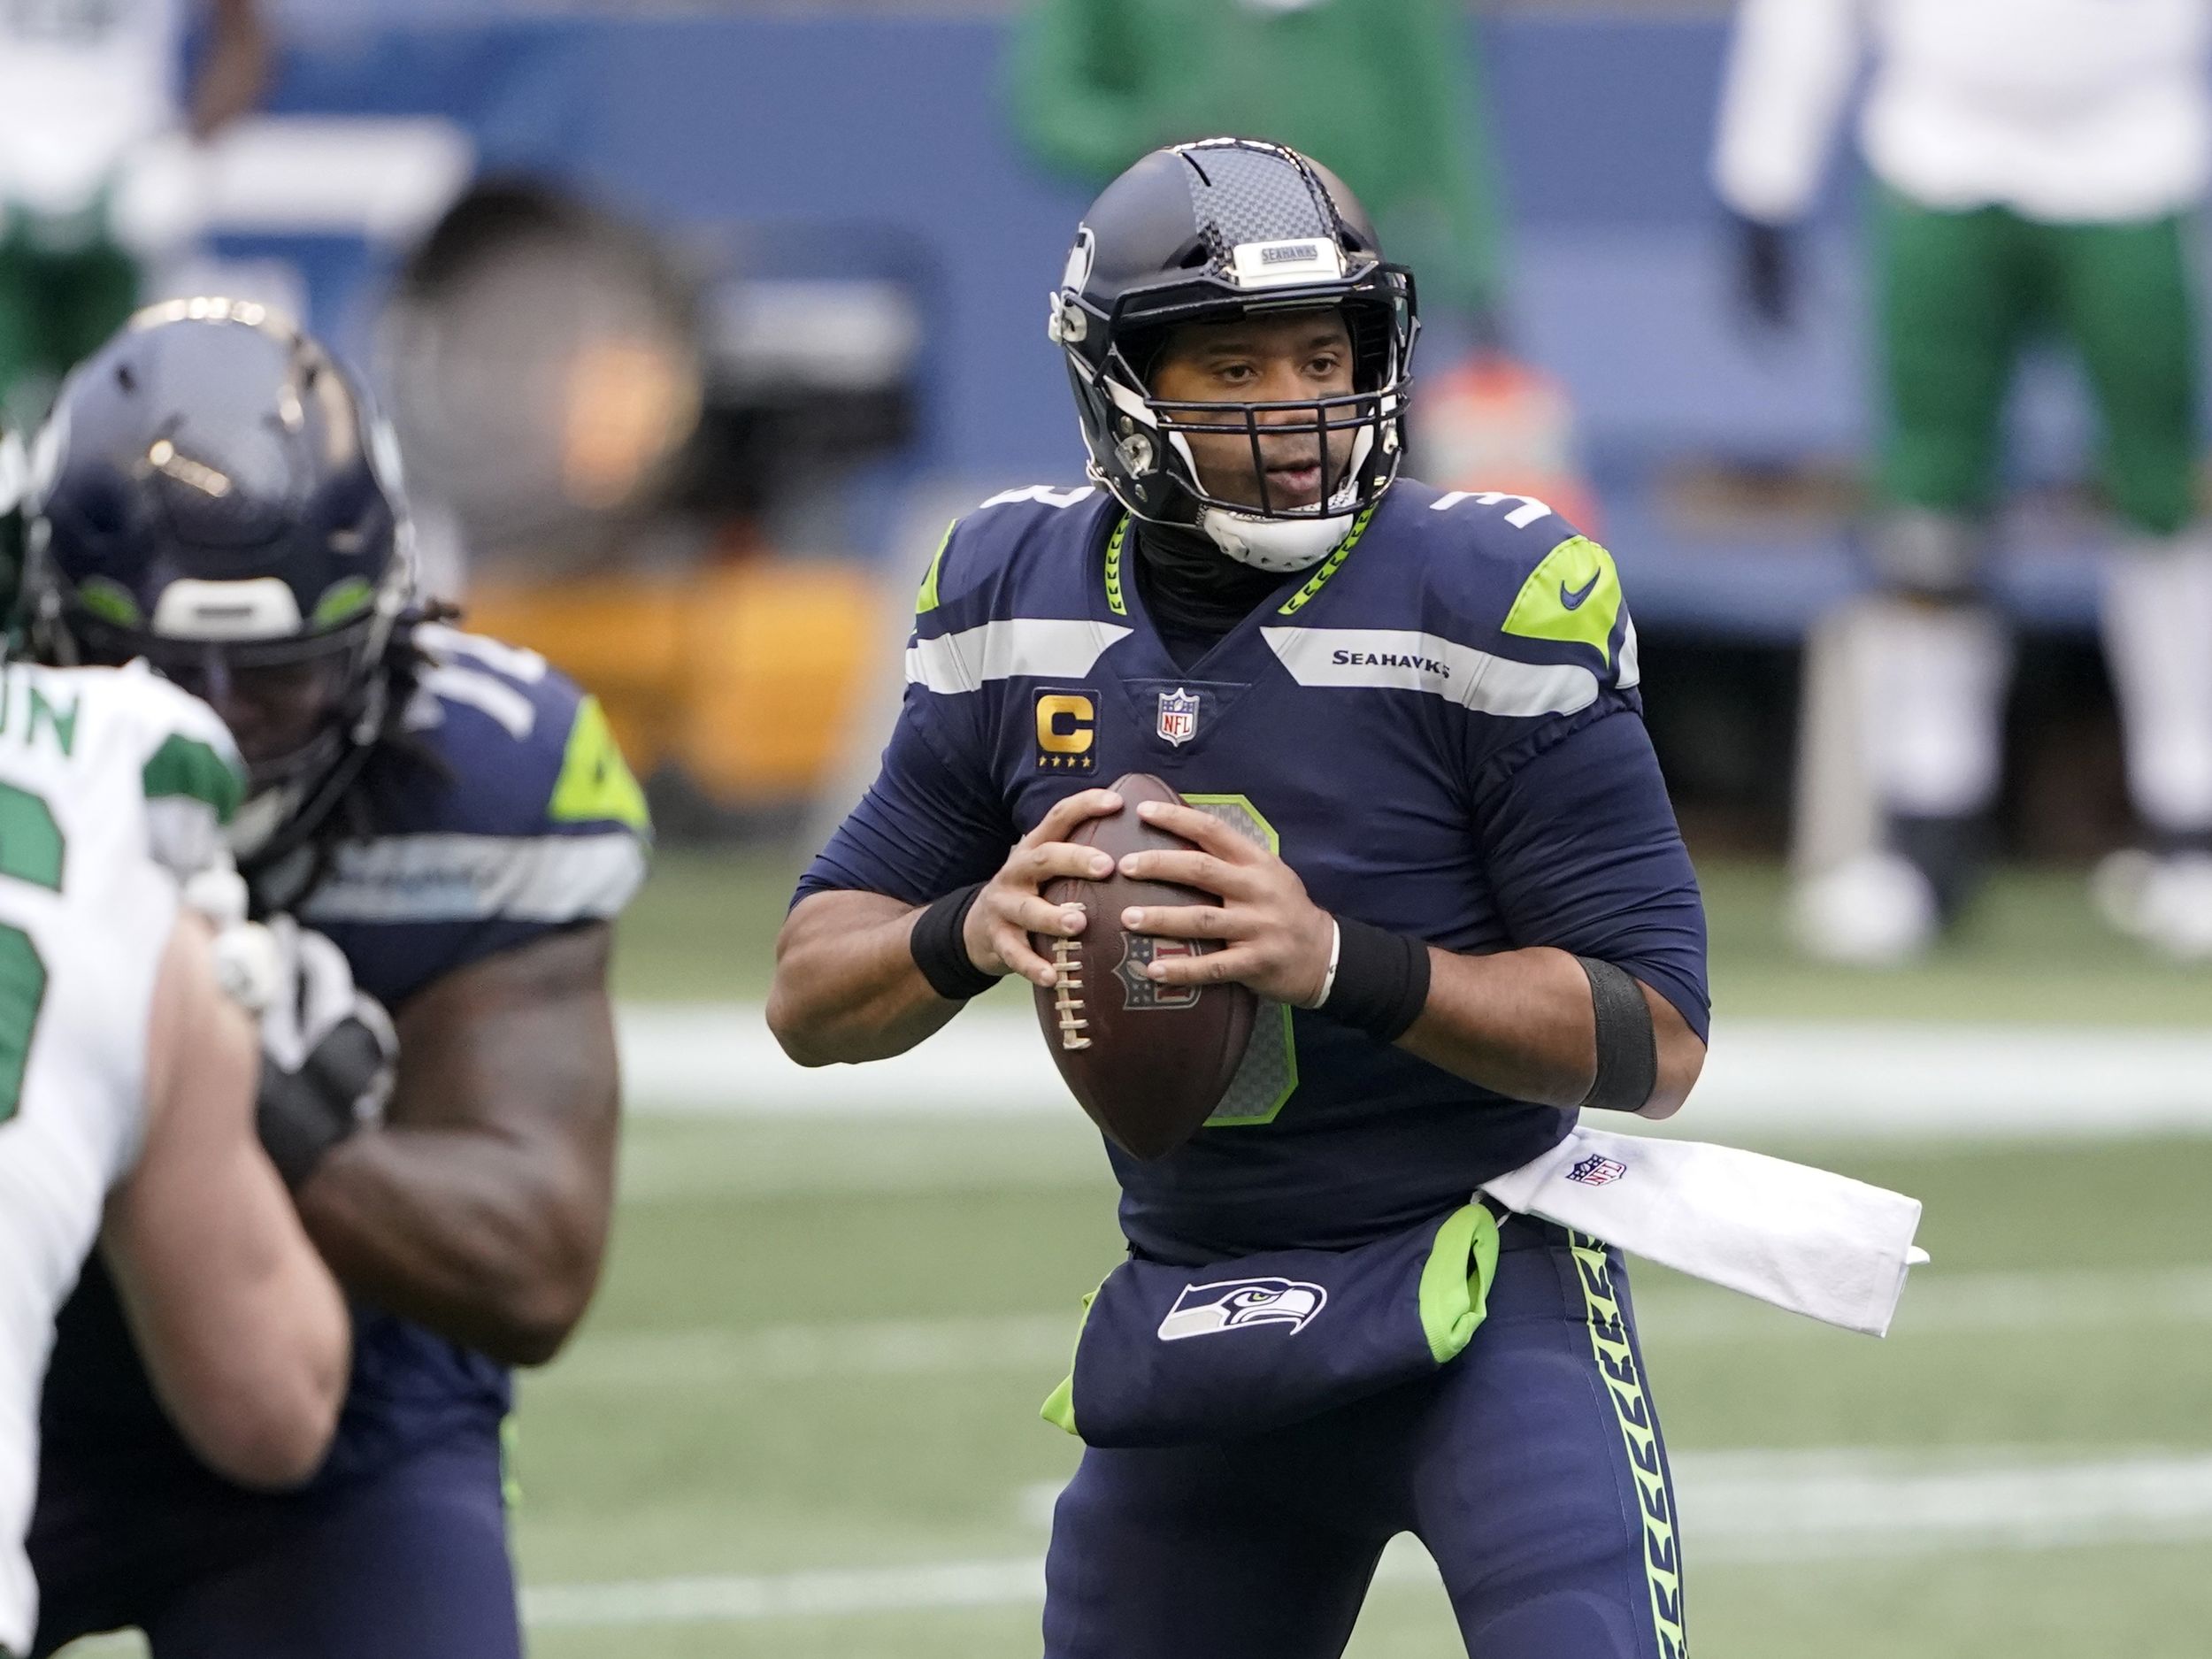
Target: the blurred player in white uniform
(126, 1091)
(94, 164)
(2036, 161)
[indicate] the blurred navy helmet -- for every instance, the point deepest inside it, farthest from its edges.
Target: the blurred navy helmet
(1227, 228)
(212, 492)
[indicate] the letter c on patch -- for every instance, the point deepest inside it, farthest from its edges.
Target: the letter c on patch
(1066, 723)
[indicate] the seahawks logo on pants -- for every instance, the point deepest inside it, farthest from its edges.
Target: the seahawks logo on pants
(1233, 1304)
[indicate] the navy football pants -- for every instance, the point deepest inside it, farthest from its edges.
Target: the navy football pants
(1531, 1468)
(409, 1563)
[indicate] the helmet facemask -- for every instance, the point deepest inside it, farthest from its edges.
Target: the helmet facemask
(1357, 436)
(1109, 322)
(304, 707)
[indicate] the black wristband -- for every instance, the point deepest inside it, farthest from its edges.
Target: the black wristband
(941, 951)
(1628, 1046)
(1382, 980)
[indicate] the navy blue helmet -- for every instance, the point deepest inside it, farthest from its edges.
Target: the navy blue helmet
(1225, 228)
(214, 494)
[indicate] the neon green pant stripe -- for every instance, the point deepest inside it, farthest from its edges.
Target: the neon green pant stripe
(1639, 1429)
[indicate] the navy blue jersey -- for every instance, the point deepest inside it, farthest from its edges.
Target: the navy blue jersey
(1436, 727)
(506, 814)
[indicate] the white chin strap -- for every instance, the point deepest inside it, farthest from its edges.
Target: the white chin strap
(259, 819)
(1281, 545)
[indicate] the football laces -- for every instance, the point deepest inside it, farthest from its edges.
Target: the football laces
(1067, 1002)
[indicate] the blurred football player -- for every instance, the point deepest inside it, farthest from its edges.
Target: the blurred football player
(1390, 90)
(1462, 870)
(214, 495)
(127, 1099)
(89, 126)
(2037, 162)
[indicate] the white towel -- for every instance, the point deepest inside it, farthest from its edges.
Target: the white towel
(1807, 1240)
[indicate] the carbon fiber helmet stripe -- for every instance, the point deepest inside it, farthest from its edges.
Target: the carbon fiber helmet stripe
(1238, 195)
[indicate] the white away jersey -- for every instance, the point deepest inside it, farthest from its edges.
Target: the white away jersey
(2069, 112)
(111, 782)
(82, 83)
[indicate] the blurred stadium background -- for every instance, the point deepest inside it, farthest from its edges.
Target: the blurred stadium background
(698, 321)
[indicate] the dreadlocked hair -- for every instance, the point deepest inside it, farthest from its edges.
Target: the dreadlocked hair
(352, 815)
(405, 661)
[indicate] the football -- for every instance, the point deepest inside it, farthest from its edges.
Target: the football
(1149, 1061)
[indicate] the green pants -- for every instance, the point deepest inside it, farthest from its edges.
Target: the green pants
(1963, 293)
(57, 308)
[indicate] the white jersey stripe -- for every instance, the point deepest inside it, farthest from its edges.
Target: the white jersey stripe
(1401, 660)
(1047, 648)
(479, 878)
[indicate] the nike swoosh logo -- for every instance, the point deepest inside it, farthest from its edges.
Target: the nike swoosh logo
(1573, 601)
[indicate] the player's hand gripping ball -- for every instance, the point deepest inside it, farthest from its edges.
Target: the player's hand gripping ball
(1147, 1061)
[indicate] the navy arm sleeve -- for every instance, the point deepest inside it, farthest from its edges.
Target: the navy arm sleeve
(1584, 855)
(923, 828)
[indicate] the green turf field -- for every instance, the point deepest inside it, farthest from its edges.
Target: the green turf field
(802, 1420)
(823, 1347)
(758, 1394)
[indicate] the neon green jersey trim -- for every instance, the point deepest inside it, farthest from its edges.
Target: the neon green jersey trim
(925, 600)
(1456, 1280)
(596, 782)
(185, 767)
(1574, 597)
(1115, 602)
(1296, 603)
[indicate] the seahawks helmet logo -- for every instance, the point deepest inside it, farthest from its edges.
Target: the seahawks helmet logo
(1236, 1304)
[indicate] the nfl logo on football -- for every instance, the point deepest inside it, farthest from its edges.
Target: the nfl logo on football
(1178, 716)
(1596, 1172)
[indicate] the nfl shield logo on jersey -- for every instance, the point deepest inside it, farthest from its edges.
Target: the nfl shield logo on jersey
(1596, 1172)
(1178, 716)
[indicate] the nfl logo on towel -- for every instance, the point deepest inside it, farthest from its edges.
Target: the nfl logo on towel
(1596, 1172)
(1178, 716)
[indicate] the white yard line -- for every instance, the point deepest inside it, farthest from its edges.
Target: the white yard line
(738, 1597)
(1799, 1506)
(1765, 1079)
(1738, 1509)
(1935, 1304)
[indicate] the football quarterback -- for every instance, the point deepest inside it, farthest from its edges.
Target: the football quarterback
(1405, 725)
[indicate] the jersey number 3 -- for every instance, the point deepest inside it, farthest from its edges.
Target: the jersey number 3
(30, 851)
